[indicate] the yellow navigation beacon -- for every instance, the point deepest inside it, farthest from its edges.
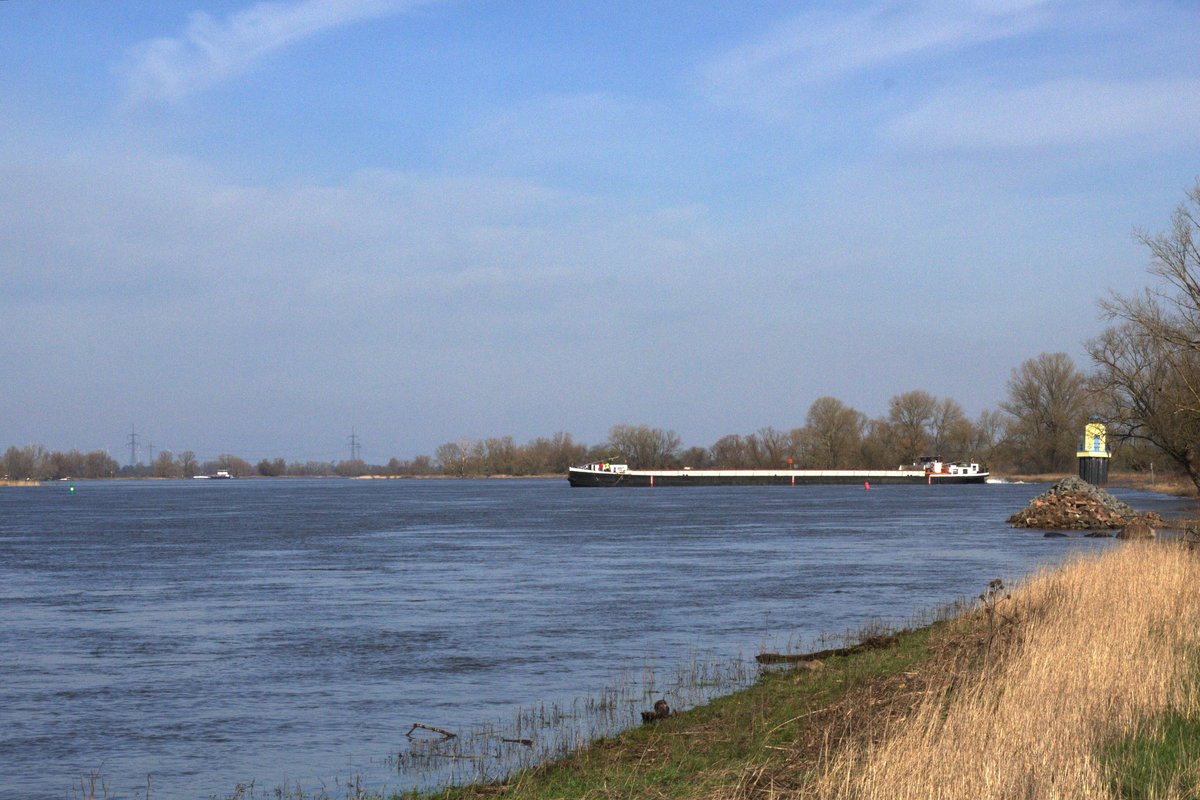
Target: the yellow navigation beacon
(1094, 454)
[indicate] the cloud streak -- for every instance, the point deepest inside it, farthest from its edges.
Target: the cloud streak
(821, 47)
(209, 51)
(1065, 112)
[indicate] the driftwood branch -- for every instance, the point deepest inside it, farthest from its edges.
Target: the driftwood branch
(870, 643)
(443, 733)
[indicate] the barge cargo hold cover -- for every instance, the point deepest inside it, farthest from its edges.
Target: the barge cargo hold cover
(930, 471)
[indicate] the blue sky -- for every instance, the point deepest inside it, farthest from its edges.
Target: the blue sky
(250, 227)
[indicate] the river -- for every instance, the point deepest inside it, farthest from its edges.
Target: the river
(289, 632)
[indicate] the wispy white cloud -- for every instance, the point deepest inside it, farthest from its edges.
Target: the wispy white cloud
(1054, 113)
(454, 284)
(209, 50)
(822, 46)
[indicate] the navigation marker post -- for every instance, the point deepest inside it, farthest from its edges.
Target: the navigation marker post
(1094, 456)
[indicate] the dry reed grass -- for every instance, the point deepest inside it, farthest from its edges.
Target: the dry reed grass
(1076, 658)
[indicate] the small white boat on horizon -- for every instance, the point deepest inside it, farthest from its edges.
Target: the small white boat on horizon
(219, 475)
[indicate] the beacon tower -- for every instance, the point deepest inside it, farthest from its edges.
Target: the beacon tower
(1094, 455)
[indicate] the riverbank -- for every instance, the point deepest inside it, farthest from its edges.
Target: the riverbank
(19, 483)
(1174, 485)
(1081, 682)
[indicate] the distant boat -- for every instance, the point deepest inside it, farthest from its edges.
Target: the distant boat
(221, 474)
(930, 470)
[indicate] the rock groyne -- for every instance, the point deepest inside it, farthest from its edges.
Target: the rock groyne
(1073, 504)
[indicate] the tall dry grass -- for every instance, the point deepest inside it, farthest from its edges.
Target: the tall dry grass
(1083, 654)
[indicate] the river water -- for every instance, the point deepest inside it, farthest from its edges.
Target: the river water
(289, 632)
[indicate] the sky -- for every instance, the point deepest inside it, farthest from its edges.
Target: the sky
(254, 228)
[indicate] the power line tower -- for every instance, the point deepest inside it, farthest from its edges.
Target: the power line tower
(355, 447)
(133, 445)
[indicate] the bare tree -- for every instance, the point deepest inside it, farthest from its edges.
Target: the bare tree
(187, 464)
(499, 456)
(729, 452)
(768, 448)
(165, 465)
(985, 435)
(65, 465)
(550, 455)
(270, 468)
(832, 434)
(26, 463)
(880, 445)
(1148, 364)
(911, 416)
(1145, 385)
(99, 464)
(1171, 313)
(1047, 406)
(644, 447)
(352, 468)
(948, 427)
(696, 458)
(230, 463)
(457, 458)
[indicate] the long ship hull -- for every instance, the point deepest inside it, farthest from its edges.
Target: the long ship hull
(585, 476)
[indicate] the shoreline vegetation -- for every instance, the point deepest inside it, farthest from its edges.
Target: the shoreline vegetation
(1083, 681)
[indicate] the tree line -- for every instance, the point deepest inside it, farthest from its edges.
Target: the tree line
(1144, 382)
(1038, 428)
(1035, 430)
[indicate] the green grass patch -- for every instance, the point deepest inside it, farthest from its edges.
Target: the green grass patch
(711, 747)
(1156, 762)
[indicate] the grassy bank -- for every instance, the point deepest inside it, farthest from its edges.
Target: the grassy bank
(1080, 683)
(729, 743)
(1086, 667)
(19, 483)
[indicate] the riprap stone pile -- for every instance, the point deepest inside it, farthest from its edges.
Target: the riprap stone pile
(1073, 504)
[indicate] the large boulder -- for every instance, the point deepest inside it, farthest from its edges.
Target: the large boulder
(1075, 505)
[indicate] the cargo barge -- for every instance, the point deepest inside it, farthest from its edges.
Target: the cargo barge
(931, 471)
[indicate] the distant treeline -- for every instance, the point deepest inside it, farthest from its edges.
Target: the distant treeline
(493, 456)
(1036, 429)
